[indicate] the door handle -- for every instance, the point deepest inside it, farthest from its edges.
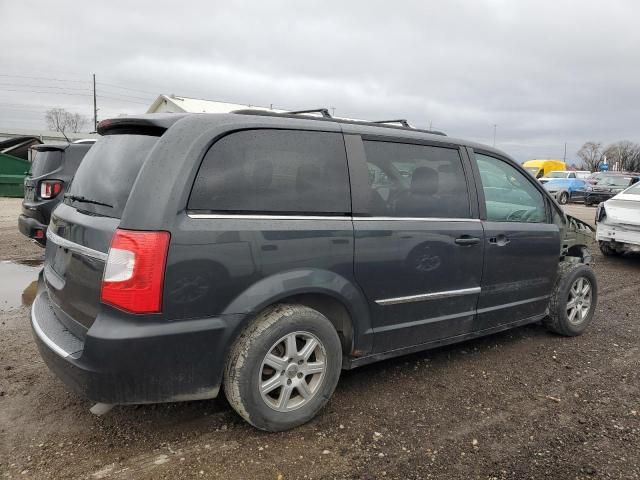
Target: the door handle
(465, 241)
(500, 240)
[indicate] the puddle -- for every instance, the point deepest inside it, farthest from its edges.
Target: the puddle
(18, 283)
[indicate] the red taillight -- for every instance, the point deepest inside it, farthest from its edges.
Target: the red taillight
(134, 273)
(50, 188)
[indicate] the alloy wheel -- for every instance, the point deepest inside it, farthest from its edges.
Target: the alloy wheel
(579, 301)
(292, 371)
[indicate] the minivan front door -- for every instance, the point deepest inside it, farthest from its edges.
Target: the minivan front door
(418, 247)
(522, 245)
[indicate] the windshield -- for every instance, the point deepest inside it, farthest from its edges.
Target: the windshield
(105, 176)
(557, 175)
(44, 162)
(616, 181)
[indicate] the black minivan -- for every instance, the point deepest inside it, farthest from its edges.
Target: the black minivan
(265, 252)
(52, 168)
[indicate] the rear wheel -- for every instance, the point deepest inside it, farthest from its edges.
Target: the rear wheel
(563, 198)
(574, 300)
(283, 368)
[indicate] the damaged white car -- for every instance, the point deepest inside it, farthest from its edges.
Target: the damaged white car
(618, 223)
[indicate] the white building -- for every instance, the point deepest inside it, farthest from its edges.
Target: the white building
(175, 104)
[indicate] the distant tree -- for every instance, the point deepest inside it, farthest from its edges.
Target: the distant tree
(625, 154)
(591, 154)
(60, 120)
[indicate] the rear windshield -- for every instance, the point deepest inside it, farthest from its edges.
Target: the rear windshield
(45, 162)
(105, 177)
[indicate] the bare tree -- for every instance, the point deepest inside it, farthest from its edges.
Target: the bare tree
(591, 155)
(624, 154)
(77, 122)
(60, 120)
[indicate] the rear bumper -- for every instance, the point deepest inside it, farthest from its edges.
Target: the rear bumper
(127, 362)
(627, 238)
(30, 227)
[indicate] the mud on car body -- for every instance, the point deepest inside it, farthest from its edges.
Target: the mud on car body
(266, 252)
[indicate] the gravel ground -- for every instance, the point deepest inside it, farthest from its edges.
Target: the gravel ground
(524, 404)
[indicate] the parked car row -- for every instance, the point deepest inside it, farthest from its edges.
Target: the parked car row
(569, 186)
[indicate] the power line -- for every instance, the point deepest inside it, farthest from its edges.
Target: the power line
(45, 78)
(50, 93)
(126, 88)
(122, 99)
(42, 86)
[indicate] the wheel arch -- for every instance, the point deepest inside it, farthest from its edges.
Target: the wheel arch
(333, 295)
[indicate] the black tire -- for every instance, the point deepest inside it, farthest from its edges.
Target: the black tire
(558, 320)
(563, 198)
(607, 250)
(245, 367)
(587, 203)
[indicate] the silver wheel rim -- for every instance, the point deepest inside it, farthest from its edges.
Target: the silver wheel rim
(292, 371)
(579, 301)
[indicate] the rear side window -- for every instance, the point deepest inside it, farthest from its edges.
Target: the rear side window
(408, 180)
(281, 171)
(106, 174)
(43, 162)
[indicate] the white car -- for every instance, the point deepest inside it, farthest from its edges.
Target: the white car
(618, 222)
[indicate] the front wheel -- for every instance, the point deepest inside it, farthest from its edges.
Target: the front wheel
(283, 368)
(573, 301)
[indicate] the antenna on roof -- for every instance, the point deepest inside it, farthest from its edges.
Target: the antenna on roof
(323, 111)
(401, 121)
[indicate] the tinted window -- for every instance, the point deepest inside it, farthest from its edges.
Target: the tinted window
(44, 162)
(509, 195)
(107, 172)
(279, 171)
(415, 181)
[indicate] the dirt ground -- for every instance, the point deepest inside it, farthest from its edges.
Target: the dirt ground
(524, 404)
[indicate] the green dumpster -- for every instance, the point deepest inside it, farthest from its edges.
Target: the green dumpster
(12, 173)
(15, 164)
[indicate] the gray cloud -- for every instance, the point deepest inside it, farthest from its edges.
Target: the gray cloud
(546, 72)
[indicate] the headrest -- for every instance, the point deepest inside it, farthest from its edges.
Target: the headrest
(424, 181)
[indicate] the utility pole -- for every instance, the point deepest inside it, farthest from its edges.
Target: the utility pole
(95, 106)
(495, 127)
(565, 152)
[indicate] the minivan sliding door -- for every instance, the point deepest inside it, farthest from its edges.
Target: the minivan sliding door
(418, 241)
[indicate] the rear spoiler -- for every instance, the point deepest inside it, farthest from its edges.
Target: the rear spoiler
(151, 124)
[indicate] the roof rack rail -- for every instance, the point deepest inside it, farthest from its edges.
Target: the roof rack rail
(399, 124)
(401, 121)
(323, 111)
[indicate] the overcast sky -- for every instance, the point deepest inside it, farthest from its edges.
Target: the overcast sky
(545, 72)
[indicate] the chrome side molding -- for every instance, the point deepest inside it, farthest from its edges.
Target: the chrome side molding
(232, 216)
(428, 296)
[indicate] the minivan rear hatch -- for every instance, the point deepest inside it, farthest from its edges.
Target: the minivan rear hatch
(82, 226)
(45, 160)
